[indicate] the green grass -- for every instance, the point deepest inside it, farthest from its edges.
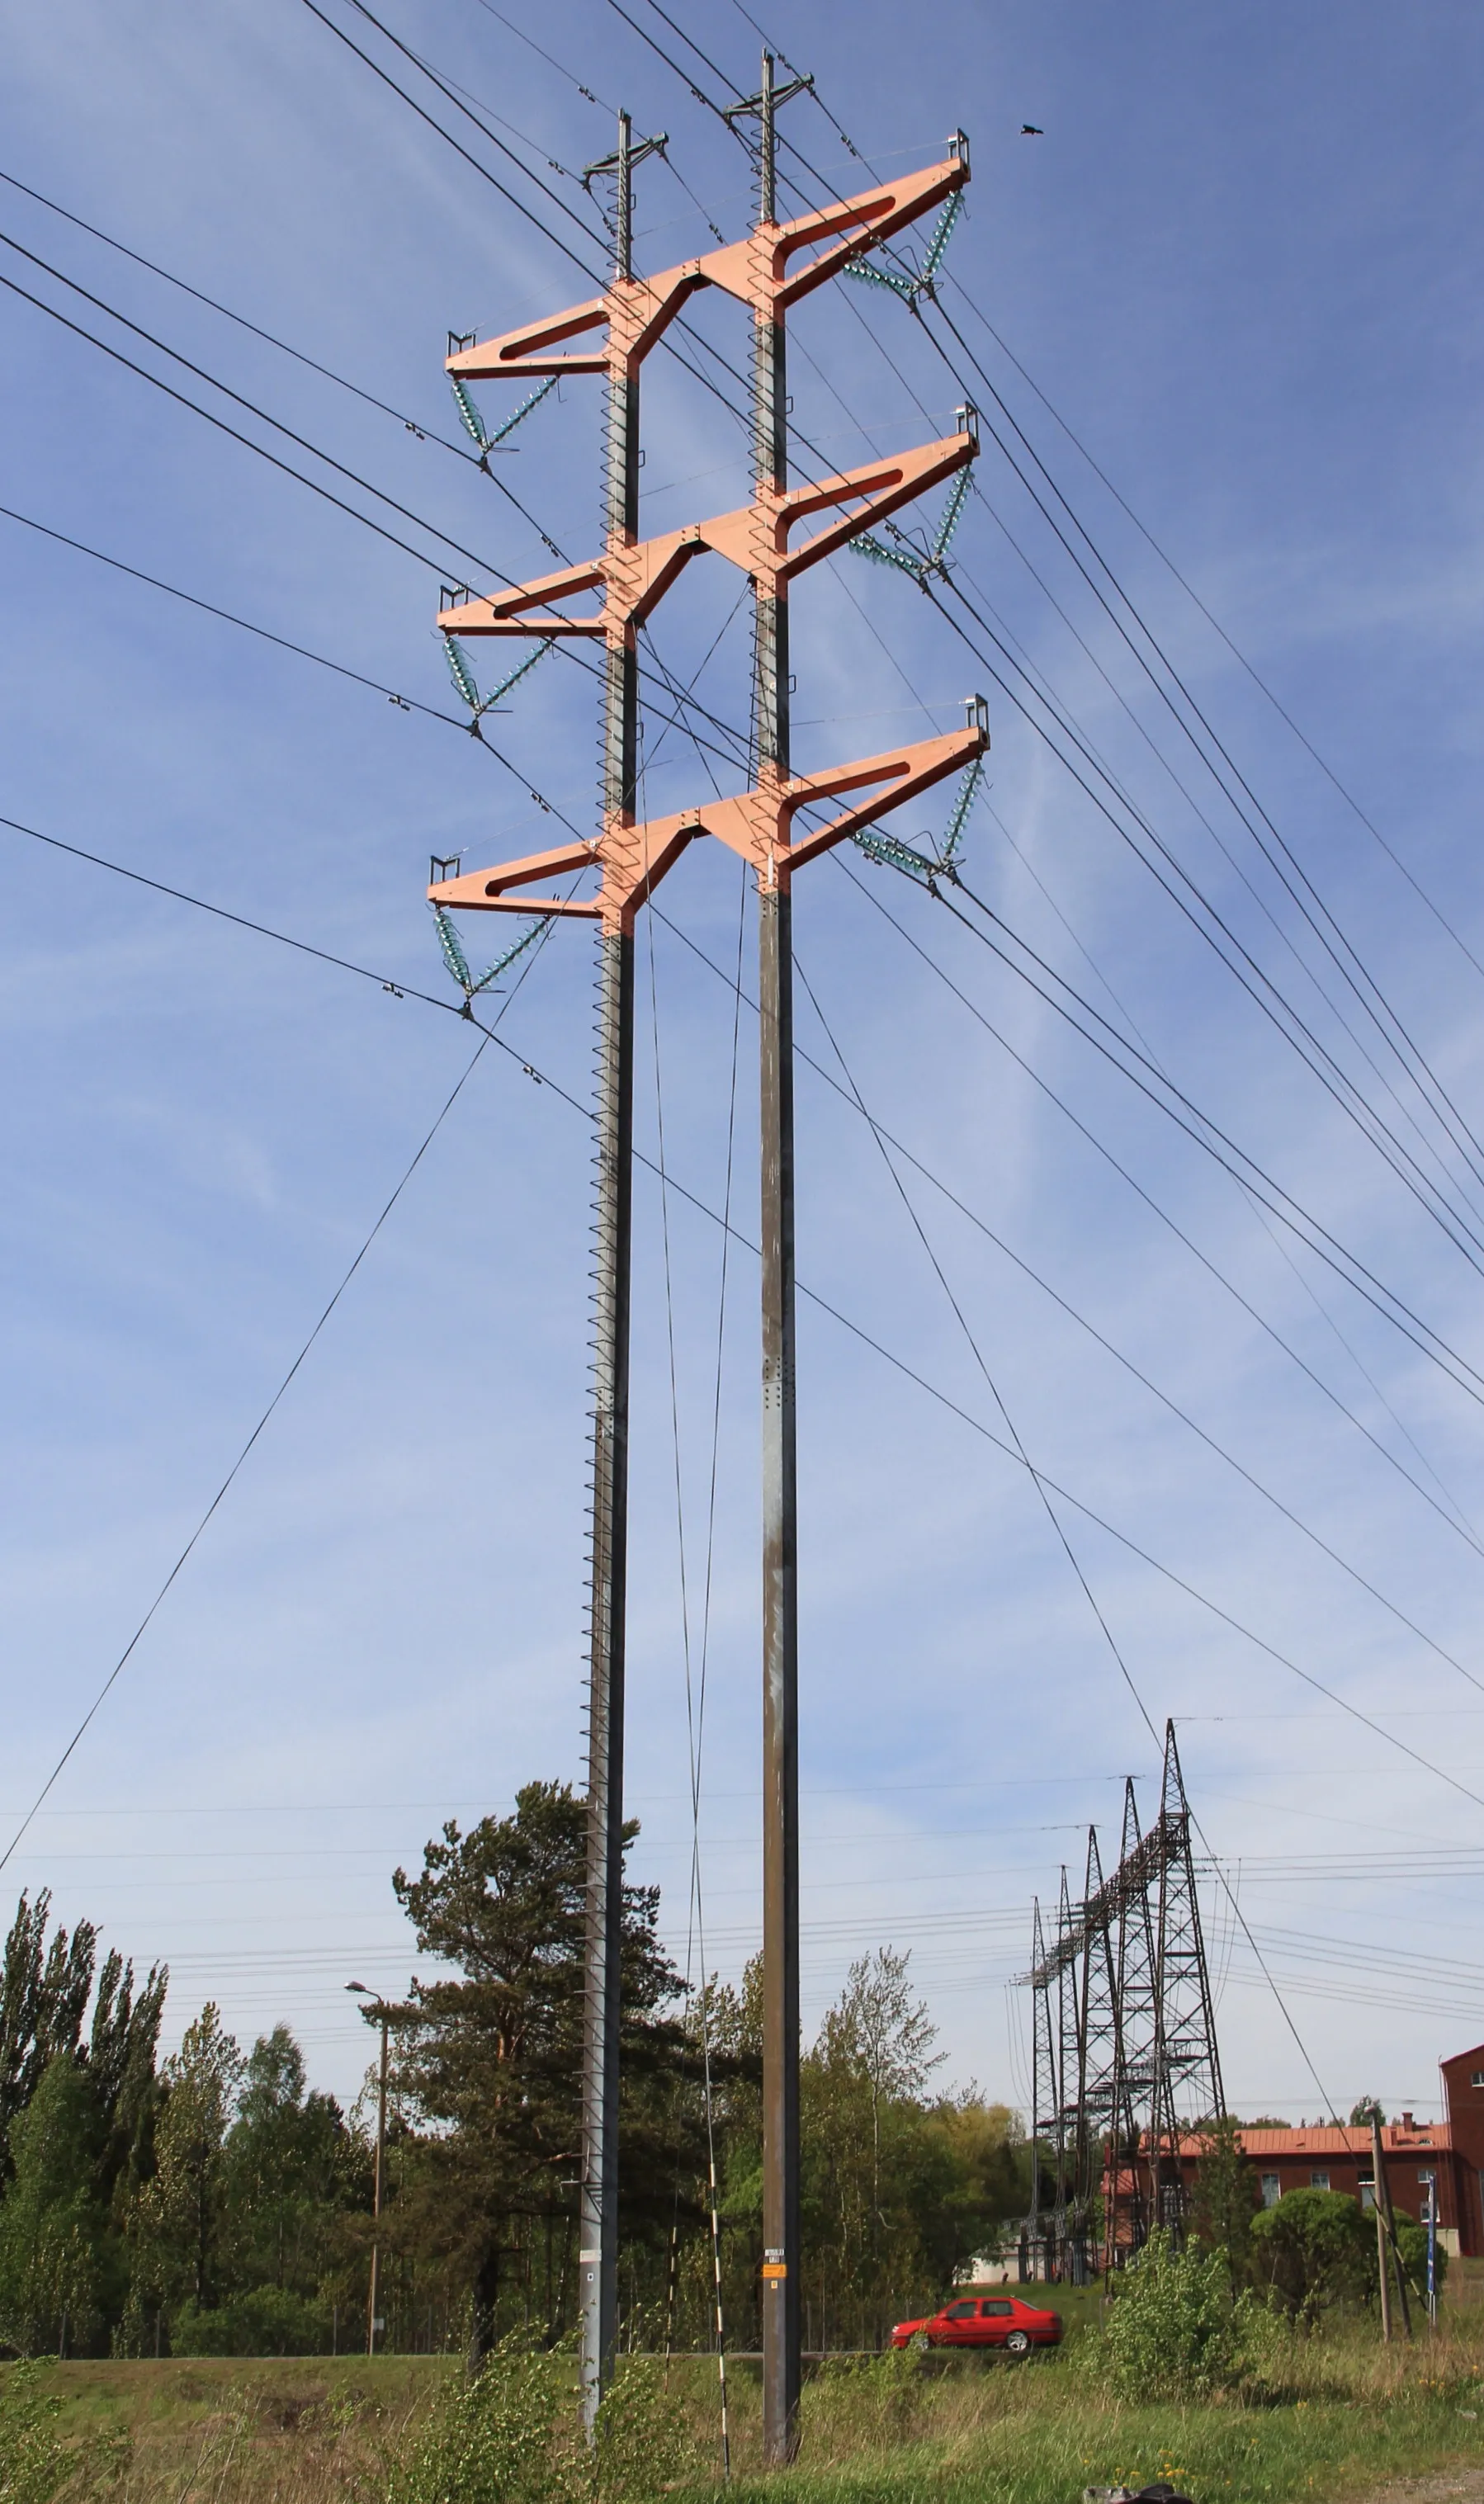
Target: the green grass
(186, 2391)
(1337, 2417)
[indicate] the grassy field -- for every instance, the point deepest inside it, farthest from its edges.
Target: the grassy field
(1336, 2418)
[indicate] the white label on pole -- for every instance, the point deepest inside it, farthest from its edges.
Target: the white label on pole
(590, 2256)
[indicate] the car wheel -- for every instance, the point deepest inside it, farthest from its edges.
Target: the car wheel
(918, 2340)
(1018, 2344)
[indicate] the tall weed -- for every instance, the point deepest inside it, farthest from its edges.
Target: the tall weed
(862, 2404)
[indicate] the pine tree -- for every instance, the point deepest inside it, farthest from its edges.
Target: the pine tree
(494, 2061)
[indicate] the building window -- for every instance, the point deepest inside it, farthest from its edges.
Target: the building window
(1318, 2182)
(1367, 2197)
(1477, 2078)
(1270, 2190)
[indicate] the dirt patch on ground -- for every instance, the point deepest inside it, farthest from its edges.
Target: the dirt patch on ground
(1462, 2483)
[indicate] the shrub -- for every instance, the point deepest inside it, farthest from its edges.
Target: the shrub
(493, 2439)
(1173, 2330)
(1314, 2250)
(1412, 2242)
(643, 2442)
(35, 2464)
(266, 2322)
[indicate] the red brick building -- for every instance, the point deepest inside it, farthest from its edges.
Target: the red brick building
(1322, 2158)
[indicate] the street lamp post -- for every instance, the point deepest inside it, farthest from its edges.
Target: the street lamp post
(379, 2010)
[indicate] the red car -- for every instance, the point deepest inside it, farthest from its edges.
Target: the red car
(984, 2321)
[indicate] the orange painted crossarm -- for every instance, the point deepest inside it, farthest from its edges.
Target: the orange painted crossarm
(756, 823)
(906, 773)
(484, 890)
(757, 269)
(634, 580)
(504, 613)
(885, 488)
(636, 312)
(633, 859)
(528, 351)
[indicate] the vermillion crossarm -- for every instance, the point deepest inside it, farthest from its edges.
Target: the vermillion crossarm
(633, 579)
(638, 311)
(757, 825)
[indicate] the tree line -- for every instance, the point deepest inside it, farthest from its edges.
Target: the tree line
(213, 2202)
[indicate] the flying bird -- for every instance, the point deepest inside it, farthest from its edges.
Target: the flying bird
(1029, 130)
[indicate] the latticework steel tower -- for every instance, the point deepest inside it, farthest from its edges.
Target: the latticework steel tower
(1118, 2088)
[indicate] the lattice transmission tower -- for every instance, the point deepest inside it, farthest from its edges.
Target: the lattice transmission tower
(1125, 2059)
(775, 827)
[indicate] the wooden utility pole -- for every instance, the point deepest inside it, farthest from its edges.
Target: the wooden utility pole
(383, 2016)
(1383, 2256)
(1384, 2196)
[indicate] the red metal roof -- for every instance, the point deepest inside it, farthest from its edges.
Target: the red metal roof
(1326, 2141)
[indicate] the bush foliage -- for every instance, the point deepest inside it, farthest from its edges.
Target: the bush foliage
(1174, 2331)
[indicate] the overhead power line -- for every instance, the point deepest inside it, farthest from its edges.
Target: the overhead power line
(412, 426)
(229, 617)
(1460, 1528)
(187, 1551)
(1215, 624)
(1326, 928)
(1340, 1084)
(1458, 1226)
(1327, 1247)
(856, 1330)
(733, 742)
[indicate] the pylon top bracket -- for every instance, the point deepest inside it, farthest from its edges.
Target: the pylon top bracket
(772, 98)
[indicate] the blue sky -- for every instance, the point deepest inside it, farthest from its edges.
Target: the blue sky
(1241, 267)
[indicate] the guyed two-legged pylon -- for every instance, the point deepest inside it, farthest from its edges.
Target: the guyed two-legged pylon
(778, 536)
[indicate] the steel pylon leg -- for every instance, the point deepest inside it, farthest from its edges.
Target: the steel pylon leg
(597, 2265)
